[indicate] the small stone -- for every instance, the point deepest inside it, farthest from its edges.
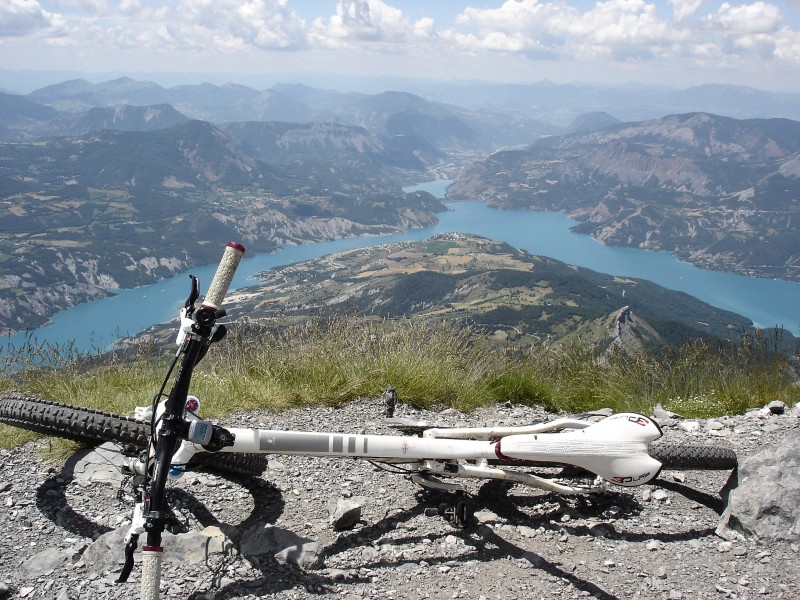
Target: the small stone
(481, 516)
(344, 512)
(689, 426)
(776, 407)
(653, 545)
(601, 530)
(526, 531)
(660, 413)
(720, 432)
(660, 495)
(725, 546)
(723, 590)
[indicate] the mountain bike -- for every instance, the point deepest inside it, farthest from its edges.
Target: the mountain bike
(572, 455)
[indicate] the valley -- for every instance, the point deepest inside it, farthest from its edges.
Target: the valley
(115, 185)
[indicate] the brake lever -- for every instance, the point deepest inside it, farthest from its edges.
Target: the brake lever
(130, 548)
(193, 295)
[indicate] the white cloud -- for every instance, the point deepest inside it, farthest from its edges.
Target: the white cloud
(371, 21)
(788, 46)
(613, 27)
(625, 30)
(757, 44)
(682, 9)
(26, 17)
(758, 17)
(235, 25)
(623, 22)
(630, 36)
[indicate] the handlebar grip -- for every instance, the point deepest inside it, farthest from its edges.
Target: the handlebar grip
(224, 275)
(151, 574)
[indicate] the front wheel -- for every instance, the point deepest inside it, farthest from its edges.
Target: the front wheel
(694, 457)
(95, 427)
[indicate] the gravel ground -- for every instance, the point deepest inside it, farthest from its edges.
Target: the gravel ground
(656, 541)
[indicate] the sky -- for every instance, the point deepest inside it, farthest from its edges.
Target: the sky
(677, 43)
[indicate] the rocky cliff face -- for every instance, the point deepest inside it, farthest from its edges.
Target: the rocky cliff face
(57, 279)
(117, 209)
(722, 193)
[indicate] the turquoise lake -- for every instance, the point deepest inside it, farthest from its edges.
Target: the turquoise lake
(766, 302)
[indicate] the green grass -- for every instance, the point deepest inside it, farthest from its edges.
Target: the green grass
(431, 365)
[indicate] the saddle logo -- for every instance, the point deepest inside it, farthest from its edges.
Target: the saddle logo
(619, 479)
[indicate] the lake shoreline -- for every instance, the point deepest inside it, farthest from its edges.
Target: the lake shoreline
(766, 302)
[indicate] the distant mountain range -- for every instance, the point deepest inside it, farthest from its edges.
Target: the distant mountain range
(560, 104)
(719, 192)
(119, 183)
(388, 114)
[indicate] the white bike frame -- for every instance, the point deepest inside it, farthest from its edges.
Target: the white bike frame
(614, 449)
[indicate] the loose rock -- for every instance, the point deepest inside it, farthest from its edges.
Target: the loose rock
(271, 537)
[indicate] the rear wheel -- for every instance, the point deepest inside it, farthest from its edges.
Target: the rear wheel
(694, 457)
(94, 427)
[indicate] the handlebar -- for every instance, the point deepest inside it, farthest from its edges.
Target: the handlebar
(155, 512)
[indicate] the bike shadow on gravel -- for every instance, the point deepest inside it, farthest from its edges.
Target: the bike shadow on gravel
(551, 510)
(710, 501)
(52, 501)
(606, 507)
(277, 577)
(55, 498)
(486, 544)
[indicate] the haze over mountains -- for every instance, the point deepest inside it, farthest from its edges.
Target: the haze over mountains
(119, 183)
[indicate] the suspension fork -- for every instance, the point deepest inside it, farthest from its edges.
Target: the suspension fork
(172, 430)
(152, 514)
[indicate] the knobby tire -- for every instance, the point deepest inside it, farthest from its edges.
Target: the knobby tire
(95, 427)
(694, 457)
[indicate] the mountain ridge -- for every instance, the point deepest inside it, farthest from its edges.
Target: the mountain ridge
(116, 209)
(719, 192)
